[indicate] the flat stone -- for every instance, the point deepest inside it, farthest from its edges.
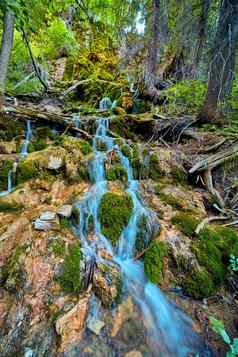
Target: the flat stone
(48, 216)
(65, 211)
(55, 163)
(95, 325)
(40, 225)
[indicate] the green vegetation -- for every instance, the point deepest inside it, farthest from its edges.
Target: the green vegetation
(26, 170)
(116, 172)
(169, 199)
(70, 276)
(114, 213)
(65, 223)
(199, 285)
(179, 175)
(10, 206)
(234, 263)
(58, 248)
(153, 260)
(155, 171)
(186, 222)
(37, 144)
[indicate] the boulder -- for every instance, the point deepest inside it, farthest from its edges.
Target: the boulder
(47, 221)
(48, 216)
(71, 325)
(95, 325)
(65, 211)
(55, 163)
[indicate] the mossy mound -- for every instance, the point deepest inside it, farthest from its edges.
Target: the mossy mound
(75, 145)
(114, 213)
(186, 222)
(6, 206)
(69, 279)
(154, 259)
(155, 172)
(213, 248)
(199, 285)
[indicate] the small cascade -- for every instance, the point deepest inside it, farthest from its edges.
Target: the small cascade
(28, 135)
(169, 330)
(107, 104)
(77, 120)
(23, 153)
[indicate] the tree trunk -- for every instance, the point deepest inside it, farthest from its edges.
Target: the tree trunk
(151, 70)
(223, 63)
(202, 30)
(5, 52)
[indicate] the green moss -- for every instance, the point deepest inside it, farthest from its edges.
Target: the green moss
(65, 223)
(10, 206)
(58, 248)
(212, 248)
(179, 175)
(26, 170)
(171, 200)
(153, 260)
(37, 145)
(186, 222)
(10, 129)
(114, 213)
(155, 171)
(70, 276)
(5, 167)
(85, 147)
(13, 273)
(199, 285)
(116, 172)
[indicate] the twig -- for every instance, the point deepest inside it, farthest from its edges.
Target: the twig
(208, 220)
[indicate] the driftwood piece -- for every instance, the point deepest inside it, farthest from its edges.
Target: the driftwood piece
(209, 184)
(212, 147)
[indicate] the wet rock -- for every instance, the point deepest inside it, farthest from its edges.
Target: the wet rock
(71, 325)
(107, 283)
(65, 211)
(47, 221)
(18, 233)
(48, 216)
(55, 163)
(95, 325)
(124, 311)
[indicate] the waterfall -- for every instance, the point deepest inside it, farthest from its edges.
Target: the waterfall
(28, 135)
(23, 153)
(107, 104)
(169, 329)
(77, 119)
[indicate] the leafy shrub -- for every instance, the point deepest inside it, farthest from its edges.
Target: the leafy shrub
(116, 172)
(153, 260)
(70, 276)
(114, 213)
(185, 96)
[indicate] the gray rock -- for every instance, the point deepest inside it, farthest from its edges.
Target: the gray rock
(40, 225)
(65, 211)
(95, 325)
(55, 163)
(48, 216)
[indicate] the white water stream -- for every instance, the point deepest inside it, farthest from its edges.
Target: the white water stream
(169, 329)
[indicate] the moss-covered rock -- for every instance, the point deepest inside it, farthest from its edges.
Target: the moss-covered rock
(37, 144)
(69, 278)
(6, 206)
(170, 200)
(179, 175)
(116, 172)
(155, 171)
(114, 213)
(199, 285)
(154, 259)
(186, 222)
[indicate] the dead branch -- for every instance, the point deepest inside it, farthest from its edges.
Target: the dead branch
(212, 147)
(209, 184)
(208, 220)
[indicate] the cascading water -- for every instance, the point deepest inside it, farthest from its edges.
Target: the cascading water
(23, 153)
(107, 104)
(28, 135)
(77, 120)
(169, 329)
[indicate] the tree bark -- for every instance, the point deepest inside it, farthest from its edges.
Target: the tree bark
(151, 70)
(202, 30)
(5, 52)
(223, 63)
